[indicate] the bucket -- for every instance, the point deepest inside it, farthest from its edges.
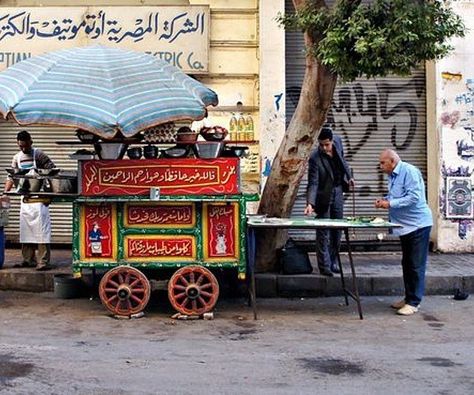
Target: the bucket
(66, 286)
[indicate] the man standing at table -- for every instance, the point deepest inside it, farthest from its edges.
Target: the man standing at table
(406, 204)
(327, 172)
(35, 221)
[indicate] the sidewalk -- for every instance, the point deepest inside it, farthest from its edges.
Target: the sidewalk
(377, 274)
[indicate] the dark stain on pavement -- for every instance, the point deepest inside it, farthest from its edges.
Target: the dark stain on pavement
(334, 367)
(436, 324)
(11, 368)
(237, 334)
(429, 317)
(439, 362)
(245, 324)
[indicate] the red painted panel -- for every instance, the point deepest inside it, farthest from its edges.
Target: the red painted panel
(98, 224)
(177, 215)
(221, 231)
(160, 247)
(172, 176)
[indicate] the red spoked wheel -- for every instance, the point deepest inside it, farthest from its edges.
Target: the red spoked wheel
(124, 291)
(193, 290)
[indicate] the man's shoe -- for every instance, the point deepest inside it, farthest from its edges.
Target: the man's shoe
(408, 309)
(41, 267)
(398, 305)
(335, 269)
(326, 272)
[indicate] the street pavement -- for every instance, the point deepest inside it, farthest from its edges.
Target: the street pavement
(377, 274)
(297, 346)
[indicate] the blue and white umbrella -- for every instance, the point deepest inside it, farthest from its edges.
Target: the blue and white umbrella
(100, 89)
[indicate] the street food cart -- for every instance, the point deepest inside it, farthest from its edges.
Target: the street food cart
(149, 218)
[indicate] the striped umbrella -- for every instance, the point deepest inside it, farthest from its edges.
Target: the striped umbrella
(100, 89)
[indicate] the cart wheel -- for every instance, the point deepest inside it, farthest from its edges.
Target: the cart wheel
(193, 290)
(124, 291)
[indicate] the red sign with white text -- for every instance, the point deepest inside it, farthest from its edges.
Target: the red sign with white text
(160, 248)
(171, 176)
(160, 215)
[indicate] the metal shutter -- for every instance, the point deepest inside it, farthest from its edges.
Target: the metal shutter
(44, 137)
(369, 115)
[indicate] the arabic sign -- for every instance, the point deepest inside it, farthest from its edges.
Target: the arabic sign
(176, 34)
(160, 215)
(221, 231)
(97, 223)
(172, 176)
(179, 248)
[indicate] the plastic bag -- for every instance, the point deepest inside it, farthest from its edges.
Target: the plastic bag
(294, 260)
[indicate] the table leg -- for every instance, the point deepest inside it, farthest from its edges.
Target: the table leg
(355, 295)
(343, 282)
(251, 252)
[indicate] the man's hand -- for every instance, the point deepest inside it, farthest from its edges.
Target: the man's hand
(308, 210)
(382, 203)
(352, 183)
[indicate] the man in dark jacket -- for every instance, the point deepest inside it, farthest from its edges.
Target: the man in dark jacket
(328, 171)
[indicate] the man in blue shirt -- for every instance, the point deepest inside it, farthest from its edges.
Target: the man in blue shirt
(406, 204)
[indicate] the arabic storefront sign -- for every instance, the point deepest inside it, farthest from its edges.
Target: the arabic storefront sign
(97, 223)
(221, 231)
(176, 34)
(160, 215)
(172, 176)
(179, 248)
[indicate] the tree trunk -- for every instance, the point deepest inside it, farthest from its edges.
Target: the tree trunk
(288, 165)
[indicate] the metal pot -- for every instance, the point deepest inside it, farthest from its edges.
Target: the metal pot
(150, 152)
(176, 152)
(208, 149)
(107, 150)
(29, 185)
(63, 185)
(134, 153)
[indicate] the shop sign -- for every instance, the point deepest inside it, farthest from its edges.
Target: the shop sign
(177, 248)
(171, 176)
(160, 215)
(178, 35)
(221, 231)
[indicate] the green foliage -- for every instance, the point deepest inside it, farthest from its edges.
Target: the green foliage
(385, 37)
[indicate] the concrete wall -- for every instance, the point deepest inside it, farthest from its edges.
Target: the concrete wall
(454, 131)
(272, 82)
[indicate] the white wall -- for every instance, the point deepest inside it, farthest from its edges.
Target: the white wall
(272, 82)
(455, 132)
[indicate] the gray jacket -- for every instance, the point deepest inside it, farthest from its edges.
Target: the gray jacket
(320, 177)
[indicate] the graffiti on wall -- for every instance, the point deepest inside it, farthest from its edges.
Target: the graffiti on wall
(386, 112)
(457, 123)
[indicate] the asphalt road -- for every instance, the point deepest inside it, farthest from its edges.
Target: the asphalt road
(310, 346)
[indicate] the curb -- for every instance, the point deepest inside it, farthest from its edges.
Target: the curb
(270, 285)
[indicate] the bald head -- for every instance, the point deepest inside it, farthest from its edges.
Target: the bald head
(388, 160)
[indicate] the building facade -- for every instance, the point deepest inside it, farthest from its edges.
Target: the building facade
(257, 68)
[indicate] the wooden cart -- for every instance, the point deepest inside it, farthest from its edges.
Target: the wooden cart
(142, 219)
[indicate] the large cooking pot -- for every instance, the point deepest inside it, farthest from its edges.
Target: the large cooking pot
(107, 150)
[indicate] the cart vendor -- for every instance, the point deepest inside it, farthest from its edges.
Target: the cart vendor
(35, 222)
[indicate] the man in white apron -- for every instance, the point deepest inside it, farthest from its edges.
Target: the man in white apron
(35, 222)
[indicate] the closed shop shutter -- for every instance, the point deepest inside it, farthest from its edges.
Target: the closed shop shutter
(369, 115)
(45, 138)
